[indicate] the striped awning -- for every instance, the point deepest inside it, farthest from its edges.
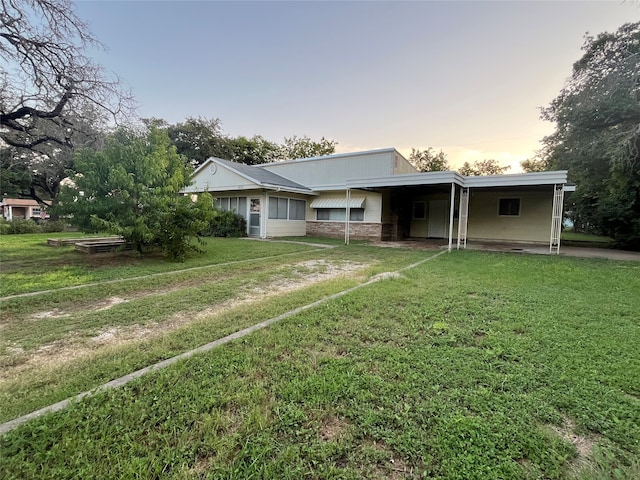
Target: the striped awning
(338, 202)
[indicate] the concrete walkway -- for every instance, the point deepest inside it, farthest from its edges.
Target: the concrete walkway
(608, 253)
(531, 248)
(584, 252)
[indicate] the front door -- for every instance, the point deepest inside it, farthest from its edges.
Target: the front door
(438, 213)
(254, 217)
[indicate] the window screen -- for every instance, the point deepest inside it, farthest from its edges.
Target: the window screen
(297, 209)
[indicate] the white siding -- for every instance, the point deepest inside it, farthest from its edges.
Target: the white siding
(205, 181)
(532, 225)
(402, 166)
(286, 228)
(335, 171)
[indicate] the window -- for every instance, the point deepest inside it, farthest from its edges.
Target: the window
(278, 208)
(419, 210)
(235, 204)
(35, 211)
(287, 208)
(338, 214)
(223, 203)
(509, 207)
(242, 206)
(297, 209)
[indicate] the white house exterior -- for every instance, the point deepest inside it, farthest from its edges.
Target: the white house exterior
(11, 208)
(386, 199)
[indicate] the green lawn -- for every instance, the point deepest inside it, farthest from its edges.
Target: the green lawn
(471, 366)
(577, 238)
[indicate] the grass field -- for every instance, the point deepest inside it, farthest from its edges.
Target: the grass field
(471, 366)
(576, 238)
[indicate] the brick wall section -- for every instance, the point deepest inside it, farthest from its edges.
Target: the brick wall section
(357, 230)
(389, 232)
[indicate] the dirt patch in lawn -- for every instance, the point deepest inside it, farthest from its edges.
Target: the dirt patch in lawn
(60, 352)
(332, 428)
(583, 444)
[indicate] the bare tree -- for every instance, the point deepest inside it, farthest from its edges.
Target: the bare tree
(47, 80)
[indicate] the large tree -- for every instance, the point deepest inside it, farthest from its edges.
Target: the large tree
(200, 138)
(483, 167)
(429, 160)
(597, 137)
(304, 147)
(47, 78)
(131, 188)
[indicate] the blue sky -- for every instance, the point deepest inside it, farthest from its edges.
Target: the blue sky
(465, 77)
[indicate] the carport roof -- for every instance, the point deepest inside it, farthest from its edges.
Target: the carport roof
(409, 179)
(558, 177)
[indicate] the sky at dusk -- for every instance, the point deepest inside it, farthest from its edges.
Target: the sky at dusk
(465, 77)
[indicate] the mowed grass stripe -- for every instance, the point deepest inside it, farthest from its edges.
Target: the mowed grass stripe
(11, 425)
(88, 365)
(479, 366)
(60, 266)
(152, 275)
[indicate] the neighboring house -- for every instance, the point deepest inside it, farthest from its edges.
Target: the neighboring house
(387, 199)
(21, 208)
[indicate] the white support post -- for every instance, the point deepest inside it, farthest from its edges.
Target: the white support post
(264, 215)
(10, 215)
(451, 207)
(556, 219)
(463, 218)
(347, 212)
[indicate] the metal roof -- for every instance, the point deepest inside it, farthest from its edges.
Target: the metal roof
(556, 177)
(425, 178)
(355, 202)
(337, 155)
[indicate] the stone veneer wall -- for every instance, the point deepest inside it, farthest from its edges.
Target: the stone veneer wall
(357, 230)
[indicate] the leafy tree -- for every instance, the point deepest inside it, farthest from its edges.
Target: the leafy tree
(428, 160)
(37, 173)
(483, 167)
(252, 151)
(304, 147)
(198, 139)
(14, 173)
(531, 165)
(131, 188)
(597, 137)
(47, 80)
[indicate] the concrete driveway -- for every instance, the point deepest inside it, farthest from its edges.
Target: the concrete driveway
(584, 252)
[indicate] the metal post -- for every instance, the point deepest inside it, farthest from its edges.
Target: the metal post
(463, 217)
(556, 219)
(264, 215)
(347, 212)
(451, 207)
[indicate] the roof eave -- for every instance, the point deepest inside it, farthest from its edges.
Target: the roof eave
(557, 177)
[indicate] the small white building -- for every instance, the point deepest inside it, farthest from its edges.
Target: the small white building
(21, 208)
(379, 195)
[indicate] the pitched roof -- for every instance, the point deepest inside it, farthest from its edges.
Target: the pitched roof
(259, 175)
(20, 202)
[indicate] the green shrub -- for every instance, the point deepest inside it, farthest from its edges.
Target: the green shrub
(4, 226)
(227, 224)
(21, 225)
(50, 226)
